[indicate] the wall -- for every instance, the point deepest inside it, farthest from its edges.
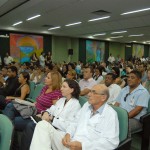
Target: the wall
(117, 48)
(60, 46)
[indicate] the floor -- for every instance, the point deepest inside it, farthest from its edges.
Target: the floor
(136, 142)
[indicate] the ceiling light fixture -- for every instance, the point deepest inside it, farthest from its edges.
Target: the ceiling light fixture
(116, 37)
(33, 17)
(136, 11)
(118, 32)
(72, 24)
(54, 28)
(17, 23)
(99, 34)
(99, 18)
(136, 35)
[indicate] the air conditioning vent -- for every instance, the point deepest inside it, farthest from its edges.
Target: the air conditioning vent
(101, 12)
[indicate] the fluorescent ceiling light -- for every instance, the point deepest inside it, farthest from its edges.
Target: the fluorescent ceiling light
(99, 34)
(118, 32)
(17, 23)
(116, 37)
(54, 28)
(134, 41)
(72, 24)
(33, 17)
(131, 12)
(99, 18)
(136, 35)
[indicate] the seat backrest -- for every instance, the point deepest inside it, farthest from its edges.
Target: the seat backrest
(123, 122)
(32, 87)
(82, 100)
(148, 109)
(6, 131)
(37, 91)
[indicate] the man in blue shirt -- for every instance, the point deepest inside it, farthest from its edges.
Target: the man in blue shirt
(134, 98)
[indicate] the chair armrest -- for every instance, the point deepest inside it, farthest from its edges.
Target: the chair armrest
(125, 145)
(145, 117)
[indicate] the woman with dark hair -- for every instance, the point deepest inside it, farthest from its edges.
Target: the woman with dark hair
(119, 81)
(21, 92)
(98, 74)
(64, 70)
(34, 59)
(48, 58)
(60, 115)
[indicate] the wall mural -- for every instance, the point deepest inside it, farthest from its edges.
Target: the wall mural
(95, 51)
(22, 46)
(138, 50)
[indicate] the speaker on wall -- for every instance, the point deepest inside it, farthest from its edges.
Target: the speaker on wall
(70, 51)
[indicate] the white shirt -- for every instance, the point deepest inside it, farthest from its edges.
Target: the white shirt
(42, 60)
(87, 84)
(97, 132)
(64, 114)
(8, 60)
(111, 59)
(114, 91)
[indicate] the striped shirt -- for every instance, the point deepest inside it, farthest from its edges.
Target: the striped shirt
(45, 100)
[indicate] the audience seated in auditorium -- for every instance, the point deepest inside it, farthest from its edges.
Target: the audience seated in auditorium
(94, 127)
(48, 96)
(60, 115)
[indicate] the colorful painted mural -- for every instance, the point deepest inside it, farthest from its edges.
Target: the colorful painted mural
(95, 51)
(138, 50)
(23, 46)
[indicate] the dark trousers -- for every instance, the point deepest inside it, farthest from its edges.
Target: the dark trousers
(2, 102)
(27, 136)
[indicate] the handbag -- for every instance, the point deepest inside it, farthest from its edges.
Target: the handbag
(25, 110)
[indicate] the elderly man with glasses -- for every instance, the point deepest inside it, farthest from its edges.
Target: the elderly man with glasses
(95, 127)
(134, 98)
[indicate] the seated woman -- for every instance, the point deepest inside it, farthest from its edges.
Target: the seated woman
(22, 91)
(60, 115)
(71, 74)
(48, 96)
(98, 74)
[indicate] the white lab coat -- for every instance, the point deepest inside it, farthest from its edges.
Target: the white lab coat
(64, 114)
(99, 132)
(46, 137)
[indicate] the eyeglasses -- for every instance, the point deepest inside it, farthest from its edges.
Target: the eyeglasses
(125, 98)
(95, 93)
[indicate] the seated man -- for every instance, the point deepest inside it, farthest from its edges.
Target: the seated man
(134, 98)
(114, 89)
(10, 87)
(95, 127)
(88, 82)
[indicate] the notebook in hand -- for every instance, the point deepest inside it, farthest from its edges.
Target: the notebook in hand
(35, 119)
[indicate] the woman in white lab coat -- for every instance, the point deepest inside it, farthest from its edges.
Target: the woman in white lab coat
(57, 117)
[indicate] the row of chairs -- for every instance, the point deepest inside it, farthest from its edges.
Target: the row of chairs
(6, 127)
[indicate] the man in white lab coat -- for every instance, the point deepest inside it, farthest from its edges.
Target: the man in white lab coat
(96, 126)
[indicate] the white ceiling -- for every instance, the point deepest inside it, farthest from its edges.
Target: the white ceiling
(62, 12)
